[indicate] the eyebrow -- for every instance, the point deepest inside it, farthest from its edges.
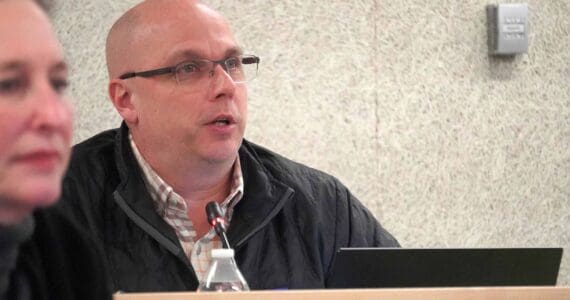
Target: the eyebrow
(234, 51)
(11, 66)
(191, 54)
(60, 66)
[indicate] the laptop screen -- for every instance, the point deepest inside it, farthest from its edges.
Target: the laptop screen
(400, 267)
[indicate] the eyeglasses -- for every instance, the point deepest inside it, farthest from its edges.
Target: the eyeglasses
(241, 69)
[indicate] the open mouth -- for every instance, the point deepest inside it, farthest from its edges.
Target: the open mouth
(222, 122)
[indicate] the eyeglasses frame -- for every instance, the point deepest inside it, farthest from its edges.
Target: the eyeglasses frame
(251, 59)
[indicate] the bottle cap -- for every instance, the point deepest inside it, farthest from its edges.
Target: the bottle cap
(222, 253)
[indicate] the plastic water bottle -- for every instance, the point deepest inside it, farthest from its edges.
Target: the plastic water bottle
(223, 274)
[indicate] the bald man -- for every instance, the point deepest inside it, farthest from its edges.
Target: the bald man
(178, 79)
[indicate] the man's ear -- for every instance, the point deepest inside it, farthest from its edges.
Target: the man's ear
(122, 100)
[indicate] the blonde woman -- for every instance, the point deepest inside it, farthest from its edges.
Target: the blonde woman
(42, 253)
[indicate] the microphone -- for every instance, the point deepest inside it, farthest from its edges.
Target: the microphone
(216, 219)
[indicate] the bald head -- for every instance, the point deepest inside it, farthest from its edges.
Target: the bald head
(138, 29)
(120, 35)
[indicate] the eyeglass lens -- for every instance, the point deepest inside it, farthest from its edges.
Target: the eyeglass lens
(240, 69)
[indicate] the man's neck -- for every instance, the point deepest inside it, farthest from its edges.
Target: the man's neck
(198, 185)
(193, 178)
(198, 182)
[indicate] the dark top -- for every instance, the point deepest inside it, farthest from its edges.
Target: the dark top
(59, 261)
(285, 230)
(11, 239)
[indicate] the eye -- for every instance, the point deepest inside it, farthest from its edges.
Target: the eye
(233, 63)
(59, 85)
(12, 86)
(189, 68)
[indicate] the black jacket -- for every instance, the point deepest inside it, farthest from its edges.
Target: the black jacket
(59, 261)
(285, 230)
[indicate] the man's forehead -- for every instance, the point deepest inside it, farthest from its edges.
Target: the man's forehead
(164, 11)
(166, 32)
(182, 38)
(188, 53)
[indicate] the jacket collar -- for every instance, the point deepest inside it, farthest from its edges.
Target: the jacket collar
(263, 198)
(132, 189)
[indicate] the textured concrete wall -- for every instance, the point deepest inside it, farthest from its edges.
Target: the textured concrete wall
(399, 99)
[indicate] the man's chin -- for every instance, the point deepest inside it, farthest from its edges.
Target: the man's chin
(221, 154)
(221, 159)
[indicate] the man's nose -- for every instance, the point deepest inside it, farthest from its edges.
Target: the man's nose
(215, 65)
(222, 82)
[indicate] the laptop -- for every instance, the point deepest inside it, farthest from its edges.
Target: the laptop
(455, 267)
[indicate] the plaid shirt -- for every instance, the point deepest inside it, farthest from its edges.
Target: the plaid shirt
(172, 208)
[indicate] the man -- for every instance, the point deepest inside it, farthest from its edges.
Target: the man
(177, 78)
(43, 253)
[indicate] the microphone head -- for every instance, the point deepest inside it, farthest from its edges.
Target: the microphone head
(217, 220)
(214, 212)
